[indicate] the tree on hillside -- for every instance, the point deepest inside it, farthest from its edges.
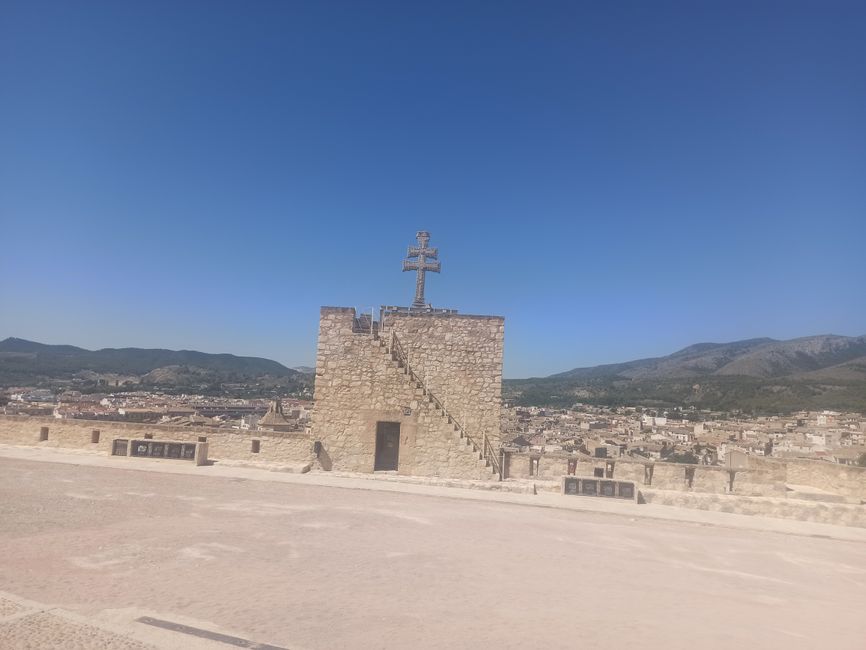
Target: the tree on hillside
(687, 457)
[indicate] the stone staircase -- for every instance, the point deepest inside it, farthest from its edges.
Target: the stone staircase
(485, 456)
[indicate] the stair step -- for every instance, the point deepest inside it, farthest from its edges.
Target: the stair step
(486, 469)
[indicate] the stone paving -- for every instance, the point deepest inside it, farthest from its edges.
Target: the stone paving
(47, 630)
(26, 625)
(516, 492)
(307, 566)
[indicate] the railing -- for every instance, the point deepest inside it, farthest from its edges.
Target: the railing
(365, 324)
(399, 353)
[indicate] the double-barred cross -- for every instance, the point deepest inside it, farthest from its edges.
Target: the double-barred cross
(421, 265)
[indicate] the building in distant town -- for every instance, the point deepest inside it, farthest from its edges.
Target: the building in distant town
(275, 419)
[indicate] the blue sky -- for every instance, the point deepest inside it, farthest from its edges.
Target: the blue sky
(618, 180)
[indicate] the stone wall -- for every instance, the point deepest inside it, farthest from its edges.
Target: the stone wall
(670, 476)
(716, 480)
(766, 478)
(584, 467)
(517, 465)
(223, 444)
(757, 489)
(358, 385)
(459, 358)
(552, 466)
(837, 514)
(760, 482)
(625, 470)
(846, 480)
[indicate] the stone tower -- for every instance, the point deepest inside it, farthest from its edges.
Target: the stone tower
(417, 391)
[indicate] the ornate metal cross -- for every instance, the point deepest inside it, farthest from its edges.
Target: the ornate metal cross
(421, 265)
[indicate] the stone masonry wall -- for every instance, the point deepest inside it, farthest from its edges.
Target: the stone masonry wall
(223, 444)
(840, 479)
(759, 483)
(460, 360)
(552, 466)
(630, 471)
(837, 514)
(358, 385)
(766, 479)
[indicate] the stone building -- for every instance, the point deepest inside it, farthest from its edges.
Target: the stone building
(275, 419)
(417, 391)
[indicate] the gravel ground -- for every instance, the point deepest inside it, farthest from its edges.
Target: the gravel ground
(306, 566)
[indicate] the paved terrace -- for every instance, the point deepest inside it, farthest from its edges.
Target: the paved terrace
(136, 553)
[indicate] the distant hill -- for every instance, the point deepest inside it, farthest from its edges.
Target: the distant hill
(26, 362)
(757, 374)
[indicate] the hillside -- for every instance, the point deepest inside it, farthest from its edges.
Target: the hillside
(756, 374)
(25, 362)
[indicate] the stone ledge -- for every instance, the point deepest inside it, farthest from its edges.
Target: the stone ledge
(293, 468)
(840, 514)
(523, 487)
(104, 425)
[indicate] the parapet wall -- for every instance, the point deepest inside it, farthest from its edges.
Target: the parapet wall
(840, 479)
(837, 514)
(766, 479)
(223, 444)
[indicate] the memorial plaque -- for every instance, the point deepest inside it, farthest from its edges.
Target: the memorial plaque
(155, 449)
(120, 447)
(589, 487)
(570, 486)
(608, 489)
(626, 490)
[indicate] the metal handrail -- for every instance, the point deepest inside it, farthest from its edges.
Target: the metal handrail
(487, 451)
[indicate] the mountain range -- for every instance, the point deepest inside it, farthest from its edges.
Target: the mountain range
(756, 375)
(25, 362)
(763, 374)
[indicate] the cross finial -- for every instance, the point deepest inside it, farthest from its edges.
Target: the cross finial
(421, 265)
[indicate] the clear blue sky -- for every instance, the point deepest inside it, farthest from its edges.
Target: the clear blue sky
(617, 179)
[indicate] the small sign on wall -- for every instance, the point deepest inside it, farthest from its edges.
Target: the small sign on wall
(594, 487)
